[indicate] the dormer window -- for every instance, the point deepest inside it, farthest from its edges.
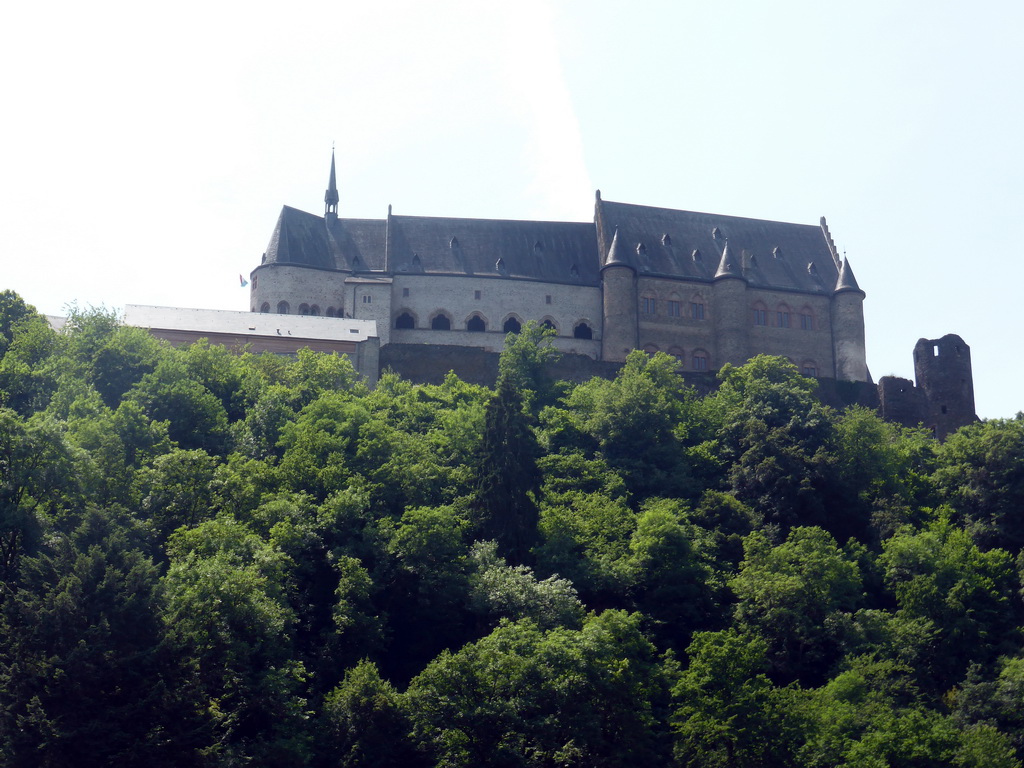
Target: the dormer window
(666, 239)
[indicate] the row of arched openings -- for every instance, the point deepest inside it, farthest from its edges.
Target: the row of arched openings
(477, 323)
(698, 360)
(311, 310)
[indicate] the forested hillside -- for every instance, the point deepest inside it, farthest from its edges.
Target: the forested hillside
(210, 559)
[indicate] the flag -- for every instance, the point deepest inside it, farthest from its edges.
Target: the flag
(243, 281)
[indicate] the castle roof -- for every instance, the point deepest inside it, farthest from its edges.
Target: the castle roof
(654, 241)
(689, 245)
(552, 251)
(347, 244)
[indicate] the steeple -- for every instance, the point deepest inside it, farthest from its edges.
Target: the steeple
(331, 196)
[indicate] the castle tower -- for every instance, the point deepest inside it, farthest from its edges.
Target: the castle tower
(731, 311)
(848, 327)
(331, 196)
(943, 371)
(618, 288)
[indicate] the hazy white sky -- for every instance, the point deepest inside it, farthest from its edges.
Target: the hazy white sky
(147, 149)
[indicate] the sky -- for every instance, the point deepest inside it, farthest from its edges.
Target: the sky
(146, 149)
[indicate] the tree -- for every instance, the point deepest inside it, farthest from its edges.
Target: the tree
(940, 575)
(981, 475)
(508, 480)
(365, 724)
(229, 614)
(778, 439)
(727, 713)
(795, 595)
(525, 697)
(85, 677)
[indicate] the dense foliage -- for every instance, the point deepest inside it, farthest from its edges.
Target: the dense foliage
(209, 559)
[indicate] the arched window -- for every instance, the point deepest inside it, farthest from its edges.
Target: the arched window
(265, 307)
(700, 360)
(782, 316)
(651, 349)
(760, 314)
(582, 331)
(315, 310)
(697, 310)
(303, 309)
(809, 368)
(673, 307)
(677, 353)
(547, 322)
(330, 311)
(512, 325)
(476, 324)
(806, 319)
(405, 321)
(441, 322)
(282, 307)
(649, 304)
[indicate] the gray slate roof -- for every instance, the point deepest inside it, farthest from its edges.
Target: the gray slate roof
(771, 254)
(654, 241)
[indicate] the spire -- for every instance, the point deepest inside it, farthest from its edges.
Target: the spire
(728, 266)
(331, 196)
(618, 254)
(846, 281)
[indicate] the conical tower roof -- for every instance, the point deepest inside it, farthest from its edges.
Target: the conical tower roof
(618, 253)
(729, 266)
(846, 280)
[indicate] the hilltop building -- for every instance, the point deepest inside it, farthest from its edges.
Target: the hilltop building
(705, 288)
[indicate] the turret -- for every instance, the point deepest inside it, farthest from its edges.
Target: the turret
(331, 196)
(618, 284)
(731, 311)
(848, 327)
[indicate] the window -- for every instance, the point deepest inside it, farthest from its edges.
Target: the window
(476, 324)
(512, 325)
(476, 295)
(254, 279)
(582, 331)
(547, 299)
(405, 321)
(806, 322)
(265, 307)
(678, 354)
(282, 308)
(760, 317)
(405, 292)
(548, 323)
(809, 369)
(367, 299)
(303, 309)
(700, 360)
(441, 323)
(782, 319)
(673, 308)
(648, 305)
(696, 311)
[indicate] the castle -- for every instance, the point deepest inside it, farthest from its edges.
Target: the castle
(704, 288)
(707, 289)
